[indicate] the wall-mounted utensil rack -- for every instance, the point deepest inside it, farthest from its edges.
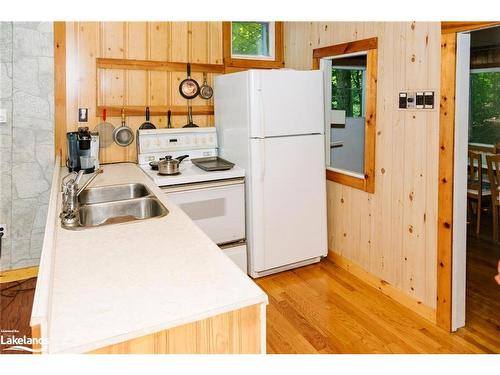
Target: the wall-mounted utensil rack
(160, 110)
(151, 65)
(164, 66)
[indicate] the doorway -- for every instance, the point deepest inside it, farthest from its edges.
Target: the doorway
(476, 228)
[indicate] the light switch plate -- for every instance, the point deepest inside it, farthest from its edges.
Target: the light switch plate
(3, 116)
(83, 114)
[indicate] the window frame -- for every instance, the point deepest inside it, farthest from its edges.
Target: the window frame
(276, 60)
(364, 182)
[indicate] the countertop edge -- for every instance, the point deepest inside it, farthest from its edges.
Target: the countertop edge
(263, 299)
(41, 303)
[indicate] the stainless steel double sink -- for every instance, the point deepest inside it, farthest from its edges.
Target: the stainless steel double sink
(116, 204)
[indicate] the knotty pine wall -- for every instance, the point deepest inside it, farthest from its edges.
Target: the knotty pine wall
(392, 233)
(196, 42)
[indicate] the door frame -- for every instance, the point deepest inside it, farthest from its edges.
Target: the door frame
(449, 31)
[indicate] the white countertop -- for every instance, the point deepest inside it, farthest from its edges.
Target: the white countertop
(117, 282)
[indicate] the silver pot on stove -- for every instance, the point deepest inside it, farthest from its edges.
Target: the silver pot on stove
(170, 166)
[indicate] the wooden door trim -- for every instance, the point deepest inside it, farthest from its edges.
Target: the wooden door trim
(444, 301)
(449, 27)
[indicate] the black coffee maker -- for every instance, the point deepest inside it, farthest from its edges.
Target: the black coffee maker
(79, 155)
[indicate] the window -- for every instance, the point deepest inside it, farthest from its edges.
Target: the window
(350, 79)
(484, 114)
(252, 40)
(346, 130)
(252, 45)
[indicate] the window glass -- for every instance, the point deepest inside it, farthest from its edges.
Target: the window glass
(347, 91)
(346, 123)
(250, 39)
(484, 115)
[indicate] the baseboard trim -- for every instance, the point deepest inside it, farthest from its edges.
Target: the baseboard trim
(415, 305)
(18, 274)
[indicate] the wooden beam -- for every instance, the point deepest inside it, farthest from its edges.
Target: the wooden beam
(163, 66)
(445, 187)
(448, 27)
(60, 89)
(18, 274)
(344, 48)
(159, 110)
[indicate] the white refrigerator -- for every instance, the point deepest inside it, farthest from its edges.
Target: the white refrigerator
(271, 123)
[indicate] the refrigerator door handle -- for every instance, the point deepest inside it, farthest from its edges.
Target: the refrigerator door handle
(263, 168)
(262, 115)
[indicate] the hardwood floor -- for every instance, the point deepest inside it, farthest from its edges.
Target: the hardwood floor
(323, 309)
(16, 300)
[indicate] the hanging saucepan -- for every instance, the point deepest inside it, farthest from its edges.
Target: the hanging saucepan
(147, 124)
(206, 91)
(169, 166)
(189, 88)
(190, 123)
(123, 135)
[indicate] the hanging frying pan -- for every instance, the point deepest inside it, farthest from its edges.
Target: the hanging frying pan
(123, 135)
(190, 123)
(147, 124)
(206, 91)
(189, 88)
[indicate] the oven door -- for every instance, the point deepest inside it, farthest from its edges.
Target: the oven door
(217, 207)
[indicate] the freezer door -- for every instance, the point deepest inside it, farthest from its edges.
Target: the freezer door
(285, 102)
(286, 207)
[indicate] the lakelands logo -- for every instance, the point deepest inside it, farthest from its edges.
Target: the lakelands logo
(20, 344)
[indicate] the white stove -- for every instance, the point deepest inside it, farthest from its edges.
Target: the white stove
(197, 143)
(214, 200)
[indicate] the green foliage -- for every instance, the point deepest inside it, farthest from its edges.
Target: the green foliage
(250, 38)
(347, 91)
(484, 125)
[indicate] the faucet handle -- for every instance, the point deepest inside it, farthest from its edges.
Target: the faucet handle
(68, 179)
(79, 176)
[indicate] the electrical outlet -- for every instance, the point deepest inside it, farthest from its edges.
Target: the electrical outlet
(3, 229)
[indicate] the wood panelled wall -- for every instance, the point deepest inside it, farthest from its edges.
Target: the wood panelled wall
(392, 233)
(196, 42)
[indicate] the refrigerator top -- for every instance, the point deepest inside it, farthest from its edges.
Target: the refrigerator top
(279, 102)
(286, 102)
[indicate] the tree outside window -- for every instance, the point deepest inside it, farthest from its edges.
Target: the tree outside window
(250, 38)
(347, 91)
(484, 116)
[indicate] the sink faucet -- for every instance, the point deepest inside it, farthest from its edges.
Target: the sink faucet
(70, 190)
